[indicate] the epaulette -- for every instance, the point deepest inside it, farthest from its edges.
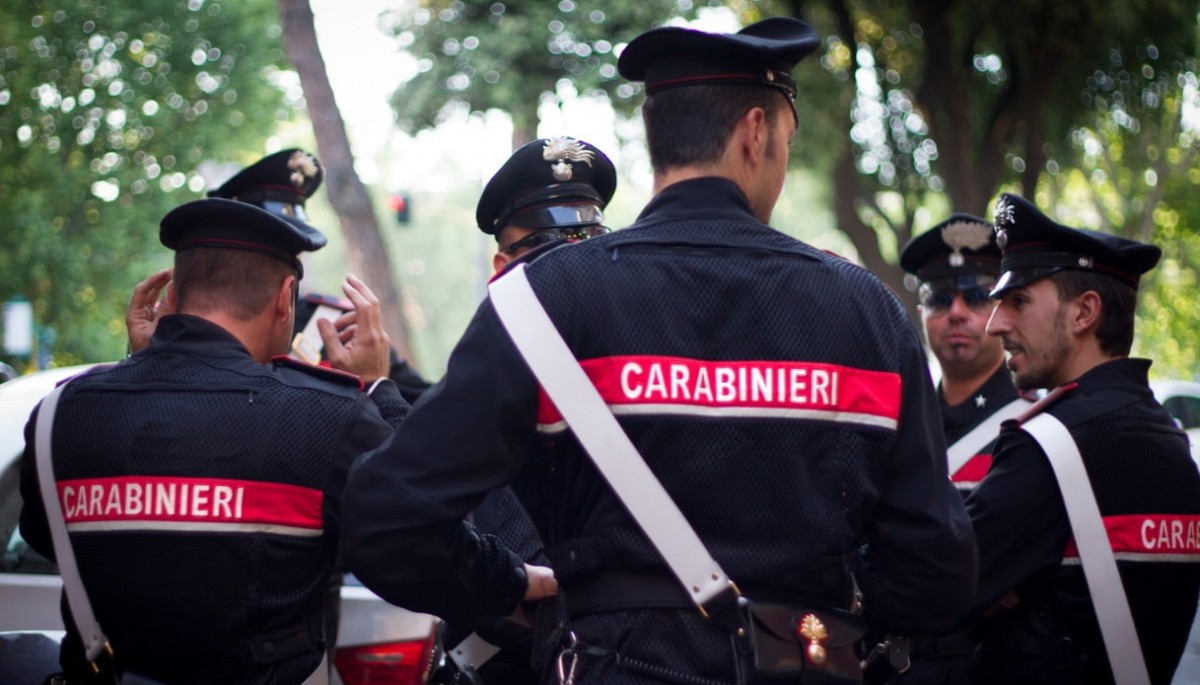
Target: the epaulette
(1030, 395)
(831, 253)
(323, 372)
(1041, 405)
(532, 256)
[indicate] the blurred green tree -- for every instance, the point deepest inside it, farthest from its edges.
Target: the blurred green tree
(1134, 173)
(106, 111)
(946, 102)
(933, 106)
(511, 54)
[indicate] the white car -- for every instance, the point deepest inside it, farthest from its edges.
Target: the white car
(377, 643)
(1182, 400)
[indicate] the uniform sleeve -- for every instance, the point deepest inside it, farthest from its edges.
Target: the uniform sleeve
(390, 401)
(366, 429)
(409, 382)
(502, 515)
(919, 574)
(1019, 517)
(405, 502)
(35, 529)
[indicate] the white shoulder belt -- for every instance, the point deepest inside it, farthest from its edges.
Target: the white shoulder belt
(958, 454)
(94, 640)
(1095, 551)
(597, 430)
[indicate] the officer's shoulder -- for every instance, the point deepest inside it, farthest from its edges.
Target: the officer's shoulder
(539, 253)
(835, 255)
(851, 277)
(845, 267)
(1042, 405)
(302, 373)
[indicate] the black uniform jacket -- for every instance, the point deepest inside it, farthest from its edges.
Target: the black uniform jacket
(202, 494)
(1148, 491)
(778, 392)
(995, 394)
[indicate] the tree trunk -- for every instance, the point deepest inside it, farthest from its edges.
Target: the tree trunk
(347, 194)
(865, 239)
(524, 123)
(847, 194)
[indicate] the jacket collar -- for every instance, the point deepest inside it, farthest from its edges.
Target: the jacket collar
(177, 331)
(713, 196)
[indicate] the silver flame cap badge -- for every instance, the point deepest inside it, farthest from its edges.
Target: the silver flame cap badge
(965, 235)
(1005, 215)
(303, 167)
(560, 152)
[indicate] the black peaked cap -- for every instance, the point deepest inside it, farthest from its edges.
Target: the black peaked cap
(962, 245)
(220, 223)
(279, 183)
(549, 183)
(1034, 247)
(763, 53)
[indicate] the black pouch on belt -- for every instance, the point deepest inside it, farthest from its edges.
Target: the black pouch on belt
(789, 641)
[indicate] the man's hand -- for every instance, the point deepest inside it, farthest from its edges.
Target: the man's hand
(1007, 601)
(356, 341)
(145, 306)
(542, 583)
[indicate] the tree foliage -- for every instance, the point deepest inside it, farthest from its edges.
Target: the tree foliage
(106, 110)
(1134, 173)
(511, 54)
(919, 107)
(946, 102)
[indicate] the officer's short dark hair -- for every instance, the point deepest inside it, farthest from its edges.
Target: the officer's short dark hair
(1118, 301)
(692, 125)
(239, 282)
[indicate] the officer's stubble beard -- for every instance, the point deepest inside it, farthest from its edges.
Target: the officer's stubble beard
(1042, 365)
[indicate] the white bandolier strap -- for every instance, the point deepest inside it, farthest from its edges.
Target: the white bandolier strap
(958, 454)
(1095, 551)
(597, 430)
(472, 652)
(94, 641)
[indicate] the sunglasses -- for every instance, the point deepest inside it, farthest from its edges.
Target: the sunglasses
(940, 301)
(548, 235)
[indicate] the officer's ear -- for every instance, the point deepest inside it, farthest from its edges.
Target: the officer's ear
(1086, 310)
(753, 132)
(285, 299)
(499, 261)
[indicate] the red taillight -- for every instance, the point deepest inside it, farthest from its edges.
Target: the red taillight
(390, 663)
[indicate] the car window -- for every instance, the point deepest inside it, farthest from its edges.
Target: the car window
(17, 556)
(1185, 409)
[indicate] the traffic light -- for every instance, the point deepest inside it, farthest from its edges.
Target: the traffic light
(401, 205)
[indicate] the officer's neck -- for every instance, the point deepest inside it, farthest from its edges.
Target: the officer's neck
(1080, 360)
(959, 387)
(745, 182)
(670, 177)
(257, 335)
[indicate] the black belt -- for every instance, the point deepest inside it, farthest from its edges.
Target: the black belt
(624, 591)
(277, 645)
(630, 591)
